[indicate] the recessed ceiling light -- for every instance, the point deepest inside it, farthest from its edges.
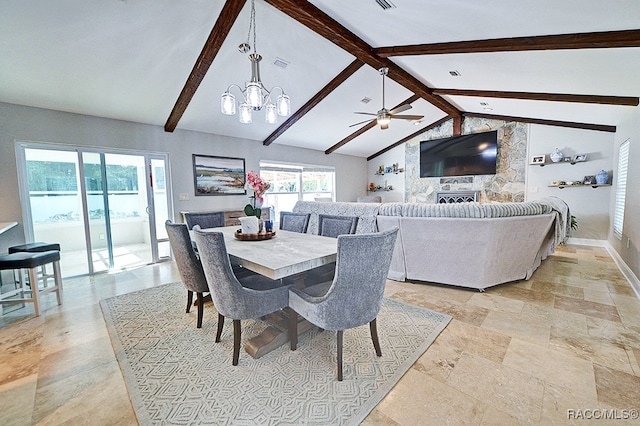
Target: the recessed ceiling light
(487, 109)
(455, 73)
(279, 62)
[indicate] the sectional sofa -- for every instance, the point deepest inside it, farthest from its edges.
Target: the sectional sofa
(467, 244)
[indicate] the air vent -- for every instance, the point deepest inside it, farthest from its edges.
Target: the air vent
(386, 5)
(279, 62)
(455, 73)
(365, 100)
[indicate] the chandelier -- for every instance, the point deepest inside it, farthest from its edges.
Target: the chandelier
(254, 95)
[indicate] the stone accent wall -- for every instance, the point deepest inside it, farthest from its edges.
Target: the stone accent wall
(507, 185)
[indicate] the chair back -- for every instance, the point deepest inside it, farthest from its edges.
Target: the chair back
(356, 293)
(188, 264)
(294, 222)
(332, 226)
(259, 296)
(205, 220)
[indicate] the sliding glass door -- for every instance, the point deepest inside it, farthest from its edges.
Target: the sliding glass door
(106, 209)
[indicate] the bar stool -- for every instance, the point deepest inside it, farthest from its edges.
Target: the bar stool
(37, 247)
(32, 261)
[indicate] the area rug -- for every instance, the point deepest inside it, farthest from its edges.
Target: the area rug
(176, 373)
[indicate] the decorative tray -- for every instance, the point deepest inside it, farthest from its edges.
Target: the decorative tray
(254, 237)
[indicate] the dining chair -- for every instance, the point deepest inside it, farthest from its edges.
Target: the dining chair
(354, 296)
(295, 222)
(205, 220)
(188, 264)
(332, 226)
(254, 297)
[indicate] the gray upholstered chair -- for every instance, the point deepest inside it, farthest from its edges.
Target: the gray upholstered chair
(256, 296)
(188, 264)
(295, 222)
(354, 296)
(332, 226)
(205, 220)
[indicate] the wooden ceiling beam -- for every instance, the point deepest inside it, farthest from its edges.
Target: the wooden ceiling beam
(322, 24)
(553, 97)
(411, 136)
(223, 25)
(594, 40)
(570, 124)
(367, 127)
(315, 100)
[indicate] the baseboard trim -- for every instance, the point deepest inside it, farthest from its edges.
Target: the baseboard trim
(631, 278)
(634, 282)
(587, 242)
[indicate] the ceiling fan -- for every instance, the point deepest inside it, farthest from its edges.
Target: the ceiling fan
(384, 116)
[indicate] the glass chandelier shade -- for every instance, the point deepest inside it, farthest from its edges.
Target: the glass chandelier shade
(255, 95)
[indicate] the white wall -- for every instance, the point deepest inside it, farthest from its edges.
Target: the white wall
(395, 155)
(628, 247)
(590, 205)
(19, 123)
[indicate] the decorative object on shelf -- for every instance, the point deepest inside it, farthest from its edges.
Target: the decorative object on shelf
(556, 155)
(602, 177)
(372, 186)
(579, 158)
(218, 175)
(538, 159)
(259, 187)
(254, 95)
(589, 180)
(381, 170)
(395, 168)
(567, 159)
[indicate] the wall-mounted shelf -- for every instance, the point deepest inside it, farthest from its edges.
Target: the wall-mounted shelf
(593, 185)
(393, 170)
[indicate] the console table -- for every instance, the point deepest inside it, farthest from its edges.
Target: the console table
(231, 217)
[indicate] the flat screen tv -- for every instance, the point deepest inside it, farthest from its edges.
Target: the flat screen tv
(464, 155)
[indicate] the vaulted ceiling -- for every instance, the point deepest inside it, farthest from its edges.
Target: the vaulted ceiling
(572, 63)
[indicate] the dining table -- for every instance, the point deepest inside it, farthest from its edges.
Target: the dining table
(284, 255)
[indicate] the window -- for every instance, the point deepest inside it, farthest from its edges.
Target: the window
(621, 188)
(293, 182)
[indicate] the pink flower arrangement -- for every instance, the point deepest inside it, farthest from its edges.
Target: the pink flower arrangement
(259, 187)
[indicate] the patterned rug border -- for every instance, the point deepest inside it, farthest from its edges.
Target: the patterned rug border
(133, 387)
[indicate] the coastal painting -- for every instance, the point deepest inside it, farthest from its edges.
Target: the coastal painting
(218, 175)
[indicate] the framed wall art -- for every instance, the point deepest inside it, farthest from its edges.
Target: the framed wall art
(218, 175)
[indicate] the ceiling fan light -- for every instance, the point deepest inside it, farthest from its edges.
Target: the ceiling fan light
(284, 105)
(271, 117)
(245, 113)
(228, 103)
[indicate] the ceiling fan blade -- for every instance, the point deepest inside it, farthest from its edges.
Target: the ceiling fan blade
(362, 122)
(401, 108)
(408, 117)
(366, 113)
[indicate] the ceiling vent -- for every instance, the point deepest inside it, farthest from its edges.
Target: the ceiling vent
(455, 73)
(279, 62)
(365, 100)
(386, 5)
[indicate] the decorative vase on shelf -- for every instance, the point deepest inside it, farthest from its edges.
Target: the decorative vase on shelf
(602, 178)
(556, 155)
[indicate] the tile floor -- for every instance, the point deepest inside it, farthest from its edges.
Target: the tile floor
(551, 350)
